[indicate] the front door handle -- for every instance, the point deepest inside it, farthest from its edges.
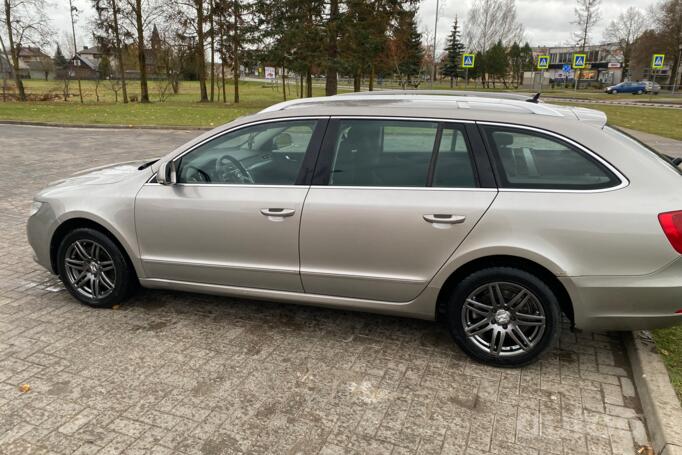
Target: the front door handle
(279, 213)
(445, 218)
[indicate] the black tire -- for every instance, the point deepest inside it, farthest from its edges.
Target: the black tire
(108, 261)
(509, 279)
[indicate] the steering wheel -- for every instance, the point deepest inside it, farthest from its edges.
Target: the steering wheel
(198, 175)
(242, 173)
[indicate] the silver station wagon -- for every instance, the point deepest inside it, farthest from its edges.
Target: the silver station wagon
(500, 217)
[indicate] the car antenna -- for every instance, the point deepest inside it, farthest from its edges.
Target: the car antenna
(535, 99)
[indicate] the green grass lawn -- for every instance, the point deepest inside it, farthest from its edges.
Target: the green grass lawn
(183, 109)
(669, 343)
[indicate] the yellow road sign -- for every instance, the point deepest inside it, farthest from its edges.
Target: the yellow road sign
(579, 60)
(657, 61)
(468, 60)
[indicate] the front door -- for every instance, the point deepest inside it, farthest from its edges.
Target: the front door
(397, 198)
(233, 218)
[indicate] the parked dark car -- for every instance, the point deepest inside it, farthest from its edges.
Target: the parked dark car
(636, 88)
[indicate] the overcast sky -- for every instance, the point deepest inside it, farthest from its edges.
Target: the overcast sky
(546, 22)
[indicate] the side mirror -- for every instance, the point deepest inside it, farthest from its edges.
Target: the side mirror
(167, 174)
(283, 140)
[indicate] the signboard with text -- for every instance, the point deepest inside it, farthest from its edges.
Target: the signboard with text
(269, 72)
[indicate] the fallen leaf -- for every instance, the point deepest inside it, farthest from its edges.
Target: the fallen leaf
(24, 388)
(646, 450)
(663, 351)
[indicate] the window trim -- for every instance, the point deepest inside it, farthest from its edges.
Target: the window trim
(623, 181)
(468, 128)
(307, 165)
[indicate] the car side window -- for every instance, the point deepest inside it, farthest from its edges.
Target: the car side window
(265, 154)
(531, 160)
(400, 153)
(382, 153)
(454, 166)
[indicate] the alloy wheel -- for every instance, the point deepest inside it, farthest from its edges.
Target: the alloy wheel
(90, 269)
(503, 319)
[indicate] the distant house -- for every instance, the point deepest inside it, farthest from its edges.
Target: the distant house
(35, 64)
(85, 64)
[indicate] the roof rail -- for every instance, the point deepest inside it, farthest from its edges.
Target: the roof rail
(468, 101)
(470, 93)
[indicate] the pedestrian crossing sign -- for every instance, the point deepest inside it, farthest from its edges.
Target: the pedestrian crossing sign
(543, 62)
(579, 60)
(657, 61)
(468, 60)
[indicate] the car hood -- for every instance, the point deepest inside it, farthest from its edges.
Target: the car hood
(104, 175)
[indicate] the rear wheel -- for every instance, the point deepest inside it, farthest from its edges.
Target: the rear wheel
(503, 316)
(94, 269)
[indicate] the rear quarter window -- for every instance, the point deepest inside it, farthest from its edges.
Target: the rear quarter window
(527, 159)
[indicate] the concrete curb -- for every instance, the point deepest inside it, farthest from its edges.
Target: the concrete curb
(106, 127)
(662, 409)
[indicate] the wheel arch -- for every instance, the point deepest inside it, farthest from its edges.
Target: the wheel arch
(81, 222)
(505, 261)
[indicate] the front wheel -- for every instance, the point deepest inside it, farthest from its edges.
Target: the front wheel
(503, 316)
(94, 269)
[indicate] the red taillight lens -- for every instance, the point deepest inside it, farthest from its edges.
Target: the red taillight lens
(671, 222)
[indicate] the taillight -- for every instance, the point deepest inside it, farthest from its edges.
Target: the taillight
(671, 222)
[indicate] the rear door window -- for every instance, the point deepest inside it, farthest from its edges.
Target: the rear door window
(401, 153)
(532, 160)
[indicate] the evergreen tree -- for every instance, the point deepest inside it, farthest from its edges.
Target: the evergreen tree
(410, 65)
(496, 62)
(60, 61)
(454, 50)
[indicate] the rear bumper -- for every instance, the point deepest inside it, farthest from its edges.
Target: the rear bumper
(627, 302)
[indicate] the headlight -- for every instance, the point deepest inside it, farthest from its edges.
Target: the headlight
(35, 207)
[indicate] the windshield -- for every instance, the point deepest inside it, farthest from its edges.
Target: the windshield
(668, 160)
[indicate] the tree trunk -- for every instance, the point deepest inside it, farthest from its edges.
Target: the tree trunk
(284, 84)
(357, 81)
(222, 76)
(119, 54)
(371, 77)
(301, 85)
(331, 85)
(235, 50)
(14, 51)
(210, 18)
(452, 81)
(201, 58)
(309, 83)
(141, 59)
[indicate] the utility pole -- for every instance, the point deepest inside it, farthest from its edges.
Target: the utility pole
(435, 35)
(75, 47)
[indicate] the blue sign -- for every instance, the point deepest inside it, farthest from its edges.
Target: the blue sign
(468, 60)
(579, 60)
(657, 62)
(543, 62)
(566, 68)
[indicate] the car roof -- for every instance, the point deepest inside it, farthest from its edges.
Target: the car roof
(461, 106)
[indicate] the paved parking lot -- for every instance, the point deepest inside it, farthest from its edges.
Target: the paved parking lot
(180, 373)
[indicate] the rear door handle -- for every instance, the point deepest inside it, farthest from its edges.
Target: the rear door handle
(445, 218)
(280, 213)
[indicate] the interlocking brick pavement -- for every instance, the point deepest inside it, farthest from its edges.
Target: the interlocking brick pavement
(192, 374)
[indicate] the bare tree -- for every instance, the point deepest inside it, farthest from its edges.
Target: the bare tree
(490, 21)
(624, 30)
(107, 23)
(24, 22)
(190, 15)
(586, 17)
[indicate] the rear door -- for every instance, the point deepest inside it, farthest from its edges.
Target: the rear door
(390, 202)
